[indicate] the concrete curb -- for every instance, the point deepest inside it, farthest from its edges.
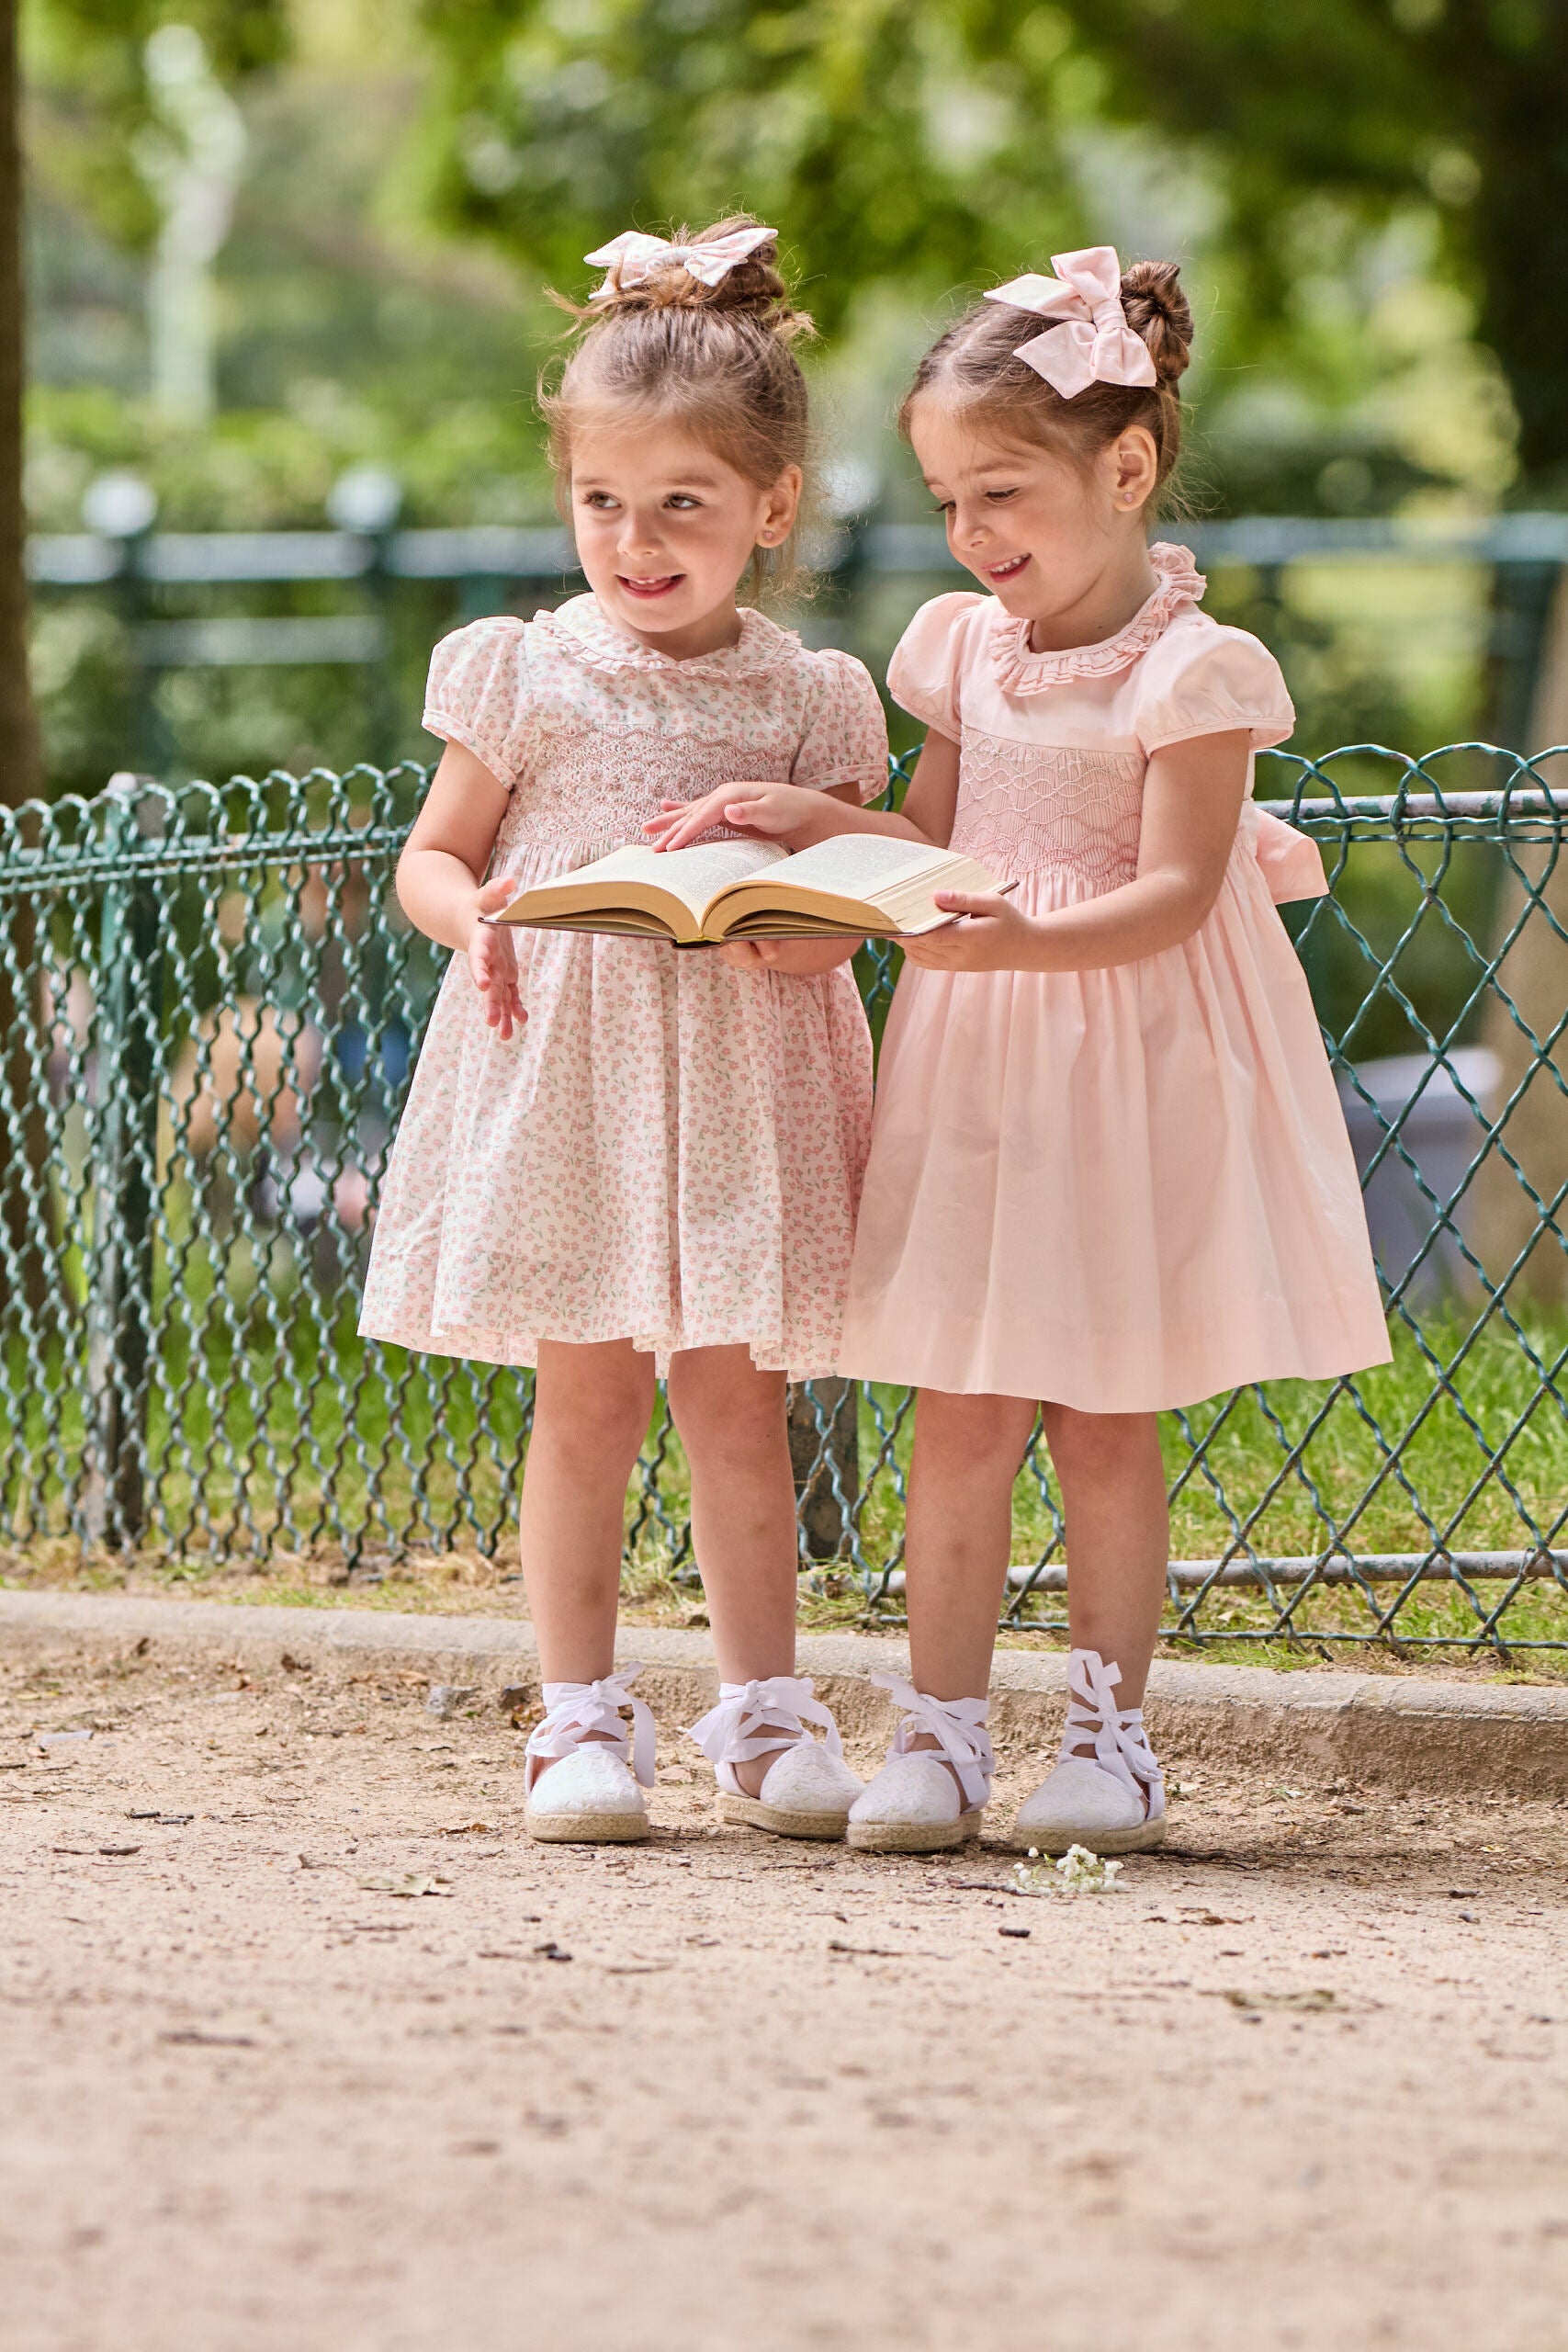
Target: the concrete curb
(1455, 1738)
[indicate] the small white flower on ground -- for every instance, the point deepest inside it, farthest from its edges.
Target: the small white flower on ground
(1078, 1872)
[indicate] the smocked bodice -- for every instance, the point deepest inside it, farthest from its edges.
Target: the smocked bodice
(590, 731)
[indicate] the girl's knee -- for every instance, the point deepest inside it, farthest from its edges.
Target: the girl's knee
(980, 1433)
(1099, 1444)
(594, 1417)
(738, 1414)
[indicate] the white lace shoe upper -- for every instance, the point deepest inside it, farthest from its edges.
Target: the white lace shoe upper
(1113, 1801)
(589, 1791)
(808, 1791)
(915, 1805)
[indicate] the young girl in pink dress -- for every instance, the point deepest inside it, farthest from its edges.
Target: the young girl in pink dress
(616, 1156)
(1109, 1172)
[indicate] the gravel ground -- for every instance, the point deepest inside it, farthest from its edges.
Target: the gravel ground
(1302, 2085)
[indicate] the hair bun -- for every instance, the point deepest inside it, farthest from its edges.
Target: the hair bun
(752, 286)
(1158, 311)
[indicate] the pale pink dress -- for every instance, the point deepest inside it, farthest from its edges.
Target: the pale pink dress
(669, 1151)
(1119, 1190)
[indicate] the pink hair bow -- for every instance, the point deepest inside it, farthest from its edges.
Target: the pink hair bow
(1094, 345)
(634, 255)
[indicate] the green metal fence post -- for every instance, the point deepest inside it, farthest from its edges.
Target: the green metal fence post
(125, 1155)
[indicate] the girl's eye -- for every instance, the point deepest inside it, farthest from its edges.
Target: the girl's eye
(944, 506)
(599, 497)
(1001, 494)
(682, 498)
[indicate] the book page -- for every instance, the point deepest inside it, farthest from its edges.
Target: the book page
(690, 874)
(854, 864)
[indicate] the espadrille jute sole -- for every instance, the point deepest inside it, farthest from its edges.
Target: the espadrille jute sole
(750, 1813)
(1138, 1841)
(914, 1836)
(586, 1829)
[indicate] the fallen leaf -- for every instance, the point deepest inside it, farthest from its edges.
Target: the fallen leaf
(119, 1850)
(1315, 1998)
(446, 1699)
(468, 1829)
(414, 1884)
(210, 2040)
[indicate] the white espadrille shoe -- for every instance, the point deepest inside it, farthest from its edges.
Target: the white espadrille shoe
(1113, 1801)
(808, 1791)
(587, 1794)
(914, 1805)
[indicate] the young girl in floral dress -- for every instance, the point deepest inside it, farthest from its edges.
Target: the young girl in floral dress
(616, 1156)
(1109, 1172)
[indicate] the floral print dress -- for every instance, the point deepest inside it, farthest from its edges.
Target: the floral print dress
(669, 1151)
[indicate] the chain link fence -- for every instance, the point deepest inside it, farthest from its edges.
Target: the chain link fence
(210, 1006)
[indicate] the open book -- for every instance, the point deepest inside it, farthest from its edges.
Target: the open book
(855, 883)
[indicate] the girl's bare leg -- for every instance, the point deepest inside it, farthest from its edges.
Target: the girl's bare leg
(968, 1451)
(1114, 1494)
(591, 1407)
(732, 1423)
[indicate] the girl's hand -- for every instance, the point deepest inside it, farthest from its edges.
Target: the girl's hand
(767, 809)
(493, 958)
(995, 937)
(801, 956)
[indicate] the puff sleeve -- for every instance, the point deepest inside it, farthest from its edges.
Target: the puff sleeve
(844, 734)
(478, 693)
(1210, 681)
(928, 662)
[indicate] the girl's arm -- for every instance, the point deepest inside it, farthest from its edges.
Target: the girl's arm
(1192, 800)
(798, 817)
(439, 885)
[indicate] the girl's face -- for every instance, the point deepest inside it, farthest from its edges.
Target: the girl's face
(665, 529)
(1047, 537)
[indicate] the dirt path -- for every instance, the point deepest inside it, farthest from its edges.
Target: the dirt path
(1304, 2086)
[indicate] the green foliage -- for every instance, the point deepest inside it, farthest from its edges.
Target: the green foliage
(83, 63)
(942, 140)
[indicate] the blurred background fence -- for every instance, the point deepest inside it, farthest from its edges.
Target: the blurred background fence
(210, 1006)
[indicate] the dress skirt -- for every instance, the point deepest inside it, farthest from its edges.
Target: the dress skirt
(670, 1152)
(1119, 1190)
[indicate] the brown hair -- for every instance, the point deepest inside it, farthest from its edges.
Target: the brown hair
(975, 364)
(715, 358)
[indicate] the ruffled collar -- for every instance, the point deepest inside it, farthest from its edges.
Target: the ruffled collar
(580, 628)
(1019, 672)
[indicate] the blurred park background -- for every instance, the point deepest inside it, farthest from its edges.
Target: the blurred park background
(286, 265)
(278, 272)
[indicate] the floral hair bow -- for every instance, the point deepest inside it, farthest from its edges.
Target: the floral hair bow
(633, 256)
(1094, 345)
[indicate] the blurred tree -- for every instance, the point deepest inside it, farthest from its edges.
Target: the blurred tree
(1380, 102)
(19, 725)
(930, 140)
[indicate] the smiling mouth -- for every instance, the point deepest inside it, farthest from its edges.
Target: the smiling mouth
(1007, 571)
(661, 586)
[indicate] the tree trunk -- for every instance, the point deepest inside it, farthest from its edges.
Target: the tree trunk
(22, 1141)
(18, 725)
(1534, 973)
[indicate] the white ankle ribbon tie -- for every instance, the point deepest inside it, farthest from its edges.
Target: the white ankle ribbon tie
(746, 1722)
(574, 1711)
(1121, 1743)
(958, 1727)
